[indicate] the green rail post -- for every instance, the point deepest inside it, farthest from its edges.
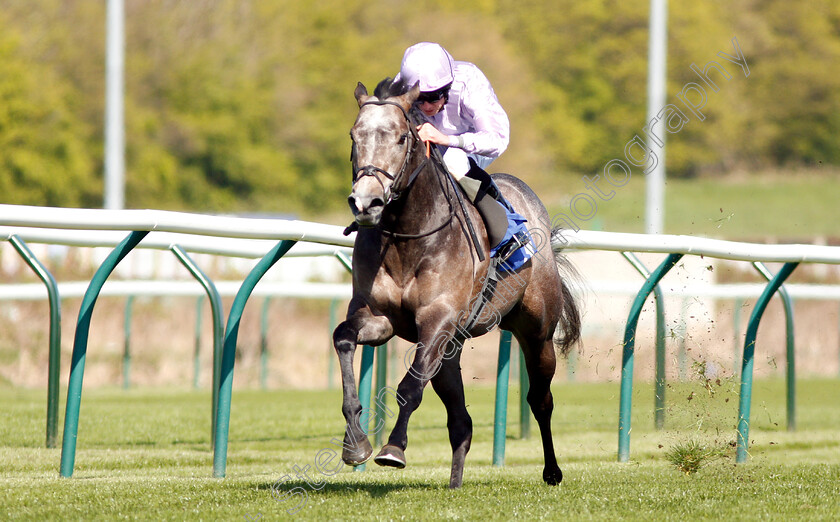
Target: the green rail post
(55, 334)
(790, 370)
(790, 347)
(381, 384)
(216, 311)
(77, 365)
(128, 312)
(626, 398)
(736, 327)
(365, 384)
(199, 307)
(264, 343)
(500, 418)
(659, 378)
(749, 352)
(524, 409)
(229, 353)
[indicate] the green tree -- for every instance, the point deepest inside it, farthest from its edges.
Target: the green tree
(44, 154)
(244, 105)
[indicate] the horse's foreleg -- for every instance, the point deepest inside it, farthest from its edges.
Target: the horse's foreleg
(449, 386)
(360, 327)
(357, 448)
(541, 362)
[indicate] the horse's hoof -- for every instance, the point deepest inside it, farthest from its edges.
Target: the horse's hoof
(357, 455)
(391, 456)
(552, 476)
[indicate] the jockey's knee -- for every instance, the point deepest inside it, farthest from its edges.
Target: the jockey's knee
(457, 162)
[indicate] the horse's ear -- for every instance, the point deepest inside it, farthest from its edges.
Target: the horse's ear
(361, 94)
(408, 99)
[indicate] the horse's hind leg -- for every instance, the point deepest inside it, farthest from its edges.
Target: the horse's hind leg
(541, 362)
(449, 386)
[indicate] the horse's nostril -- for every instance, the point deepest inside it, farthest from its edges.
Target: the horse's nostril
(364, 204)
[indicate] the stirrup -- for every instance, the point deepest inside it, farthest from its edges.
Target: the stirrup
(519, 240)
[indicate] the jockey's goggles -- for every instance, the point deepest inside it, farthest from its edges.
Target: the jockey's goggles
(433, 96)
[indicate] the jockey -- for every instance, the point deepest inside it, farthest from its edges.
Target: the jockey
(463, 115)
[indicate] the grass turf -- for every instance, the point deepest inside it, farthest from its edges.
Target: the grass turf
(782, 205)
(144, 454)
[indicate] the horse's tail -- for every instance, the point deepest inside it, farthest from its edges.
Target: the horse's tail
(568, 328)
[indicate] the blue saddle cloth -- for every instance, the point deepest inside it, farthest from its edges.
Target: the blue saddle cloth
(516, 224)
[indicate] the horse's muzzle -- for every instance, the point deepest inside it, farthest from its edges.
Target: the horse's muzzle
(366, 209)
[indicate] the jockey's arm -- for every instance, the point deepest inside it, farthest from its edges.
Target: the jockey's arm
(489, 139)
(491, 127)
(489, 131)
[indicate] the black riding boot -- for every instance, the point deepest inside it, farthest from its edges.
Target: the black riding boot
(491, 204)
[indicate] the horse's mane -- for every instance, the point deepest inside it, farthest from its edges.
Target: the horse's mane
(388, 88)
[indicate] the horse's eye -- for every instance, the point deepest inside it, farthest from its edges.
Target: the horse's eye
(403, 138)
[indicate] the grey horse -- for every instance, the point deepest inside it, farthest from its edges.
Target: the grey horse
(417, 275)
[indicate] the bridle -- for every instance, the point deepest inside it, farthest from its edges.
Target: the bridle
(392, 193)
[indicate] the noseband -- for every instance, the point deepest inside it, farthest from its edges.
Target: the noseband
(391, 193)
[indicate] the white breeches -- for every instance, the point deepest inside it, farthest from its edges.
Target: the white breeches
(458, 163)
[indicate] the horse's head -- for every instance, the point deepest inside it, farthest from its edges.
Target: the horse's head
(383, 139)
